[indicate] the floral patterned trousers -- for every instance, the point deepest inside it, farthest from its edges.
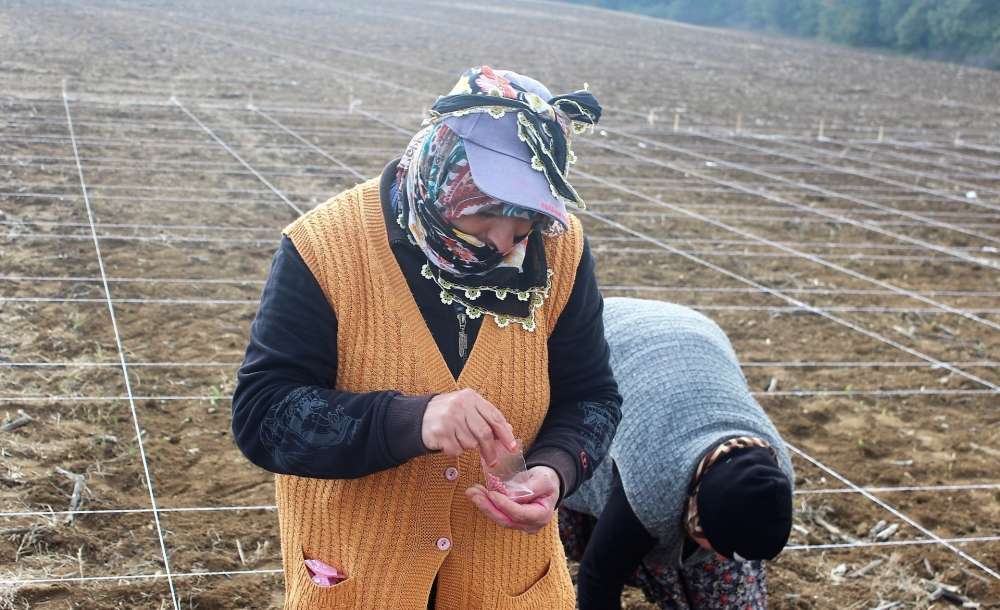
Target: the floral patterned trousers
(713, 584)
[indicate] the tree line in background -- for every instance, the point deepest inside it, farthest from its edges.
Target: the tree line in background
(966, 31)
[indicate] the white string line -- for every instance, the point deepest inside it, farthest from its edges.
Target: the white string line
(209, 103)
(918, 541)
(118, 124)
(146, 143)
(763, 194)
(781, 255)
(898, 169)
(74, 364)
(121, 352)
(135, 301)
(960, 219)
(938, 148)
(868, 364)
(271, 241)
(594, 238)
(903, 488)
(274, 571)
(866, 202)
(308, 144)
(909, 521)
(966, 186)
(242, 202)
(804, 255)
(750, 282)
(303, 171)
(973, 179)
(899, 393)
(635, 288)
(592, 204)
(137, 187)
(813, 144)
(117, 225)
(795, 128)
(235, 155)
(133, 280)
(132, 511)
(215, 103)
(967, 218)
(821, 291)
(779, 294)
(211, 168)
(833, 364)
(683, 185)
(722, 211)
(929, 489)
(183, 167)
(700, 307)
(884, 150)
(943, 153)
(121, 99)
(124, 125)
(157, 142)
(41, 162)
(36, 581)
(747, 364)
(186, 168)
(306, 110)
(123, 163)
(965, 180)
(979, 147)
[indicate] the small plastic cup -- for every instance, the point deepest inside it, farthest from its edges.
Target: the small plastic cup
(509, 475)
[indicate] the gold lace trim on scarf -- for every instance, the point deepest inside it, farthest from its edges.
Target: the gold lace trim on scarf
(451, 293)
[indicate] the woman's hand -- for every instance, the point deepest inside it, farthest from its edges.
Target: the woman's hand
(530, 513)
(463, 419)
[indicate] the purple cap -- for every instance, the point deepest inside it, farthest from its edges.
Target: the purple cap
(501, 162)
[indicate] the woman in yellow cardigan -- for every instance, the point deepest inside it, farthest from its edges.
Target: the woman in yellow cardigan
(374, 389)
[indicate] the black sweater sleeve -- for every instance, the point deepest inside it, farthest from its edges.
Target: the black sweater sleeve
(287, 416)
(585, 406)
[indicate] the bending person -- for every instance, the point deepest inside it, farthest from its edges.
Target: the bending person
(698, 489)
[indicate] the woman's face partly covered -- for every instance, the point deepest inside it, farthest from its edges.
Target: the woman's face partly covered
(489, 228)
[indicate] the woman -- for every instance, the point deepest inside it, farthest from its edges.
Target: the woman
(699, 485)
(416, 324)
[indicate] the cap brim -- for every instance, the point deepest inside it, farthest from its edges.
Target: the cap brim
(501, 164)
(514, 181)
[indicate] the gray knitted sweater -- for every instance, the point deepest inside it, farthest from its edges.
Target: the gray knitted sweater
(683, 393)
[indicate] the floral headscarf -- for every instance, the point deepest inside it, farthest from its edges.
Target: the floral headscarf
(546, 126)
(436, 188)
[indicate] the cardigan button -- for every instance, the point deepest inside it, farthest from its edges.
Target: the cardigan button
(443, 544)
(451, 473)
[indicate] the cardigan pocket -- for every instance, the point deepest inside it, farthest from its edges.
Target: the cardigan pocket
(545, 593)
(304, 594)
